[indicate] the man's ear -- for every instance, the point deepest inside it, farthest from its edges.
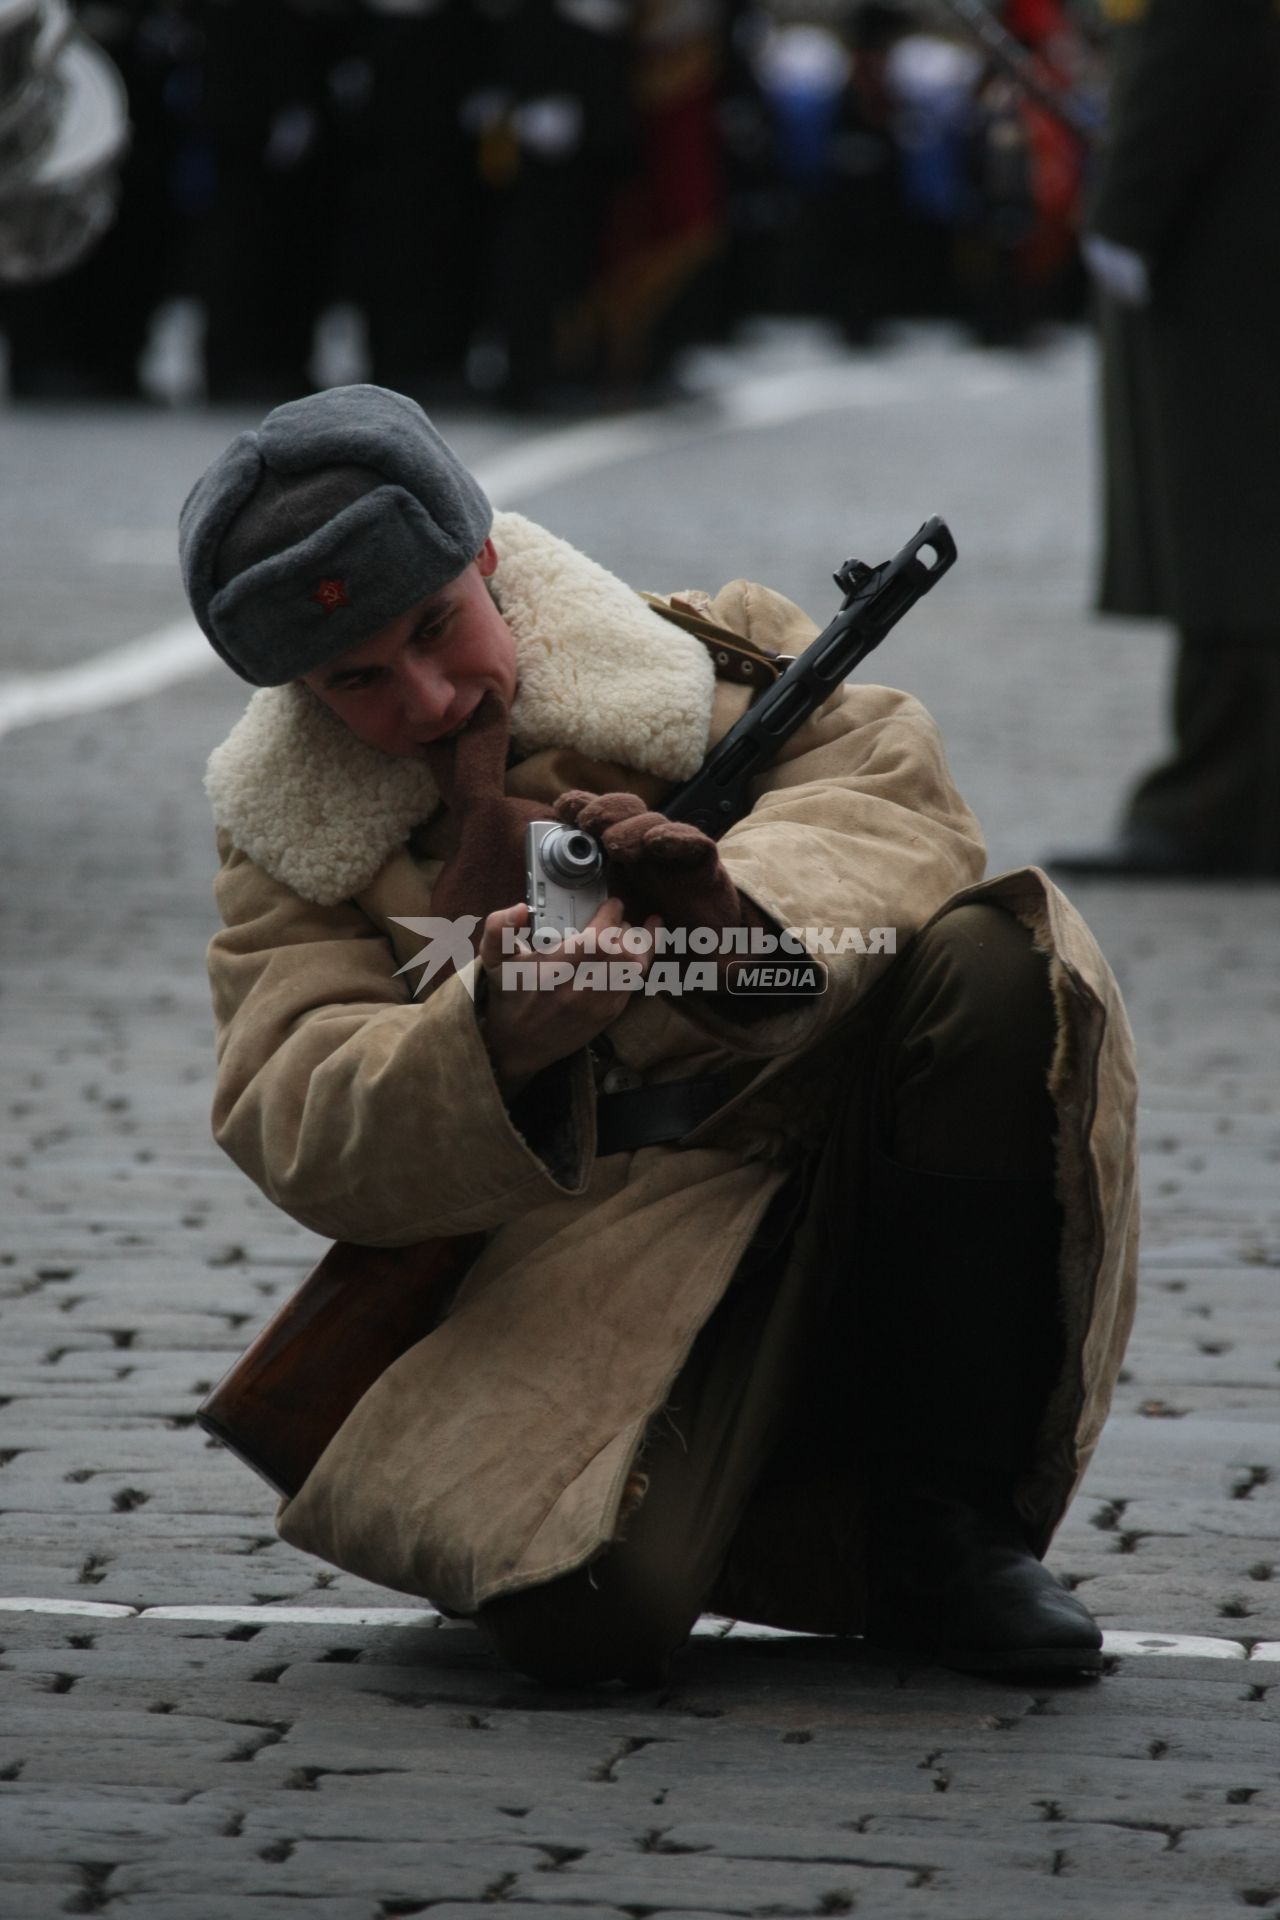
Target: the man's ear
(487, 559)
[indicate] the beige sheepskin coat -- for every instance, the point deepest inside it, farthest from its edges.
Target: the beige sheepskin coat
(494, 1454)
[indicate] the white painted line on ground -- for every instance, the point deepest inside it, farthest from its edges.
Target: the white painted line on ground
(179, 652)
(70, 1609)
(124, 673)
(302, 1616)
(1172, 1646)
(712, 1626)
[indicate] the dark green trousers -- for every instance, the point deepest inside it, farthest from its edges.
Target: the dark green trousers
(1219, 792)
(965, 1034)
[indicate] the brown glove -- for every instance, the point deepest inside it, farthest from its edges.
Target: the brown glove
(662, 866)
(484, 869)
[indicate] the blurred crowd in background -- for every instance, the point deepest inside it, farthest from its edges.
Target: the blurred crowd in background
(543, 201)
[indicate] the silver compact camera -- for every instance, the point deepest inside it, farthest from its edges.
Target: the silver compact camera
(564, 877)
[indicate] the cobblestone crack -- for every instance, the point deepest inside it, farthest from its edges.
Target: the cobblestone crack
(271, 1733)
(1248, 1482)
(633, 1744)
(557, 1857)
(656, 1841)
(92, 1895)
(303, 1779)
(1172, 1834)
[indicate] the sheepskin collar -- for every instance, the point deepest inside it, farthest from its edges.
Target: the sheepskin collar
(599, 671)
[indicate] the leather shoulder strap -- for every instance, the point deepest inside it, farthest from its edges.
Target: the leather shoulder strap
(734, 658)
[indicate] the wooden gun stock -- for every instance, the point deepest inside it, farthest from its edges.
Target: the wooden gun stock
(355, 1313)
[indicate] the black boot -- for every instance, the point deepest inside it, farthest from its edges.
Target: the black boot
(960, 1338)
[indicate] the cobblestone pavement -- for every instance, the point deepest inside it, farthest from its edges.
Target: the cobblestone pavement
(201, 1768)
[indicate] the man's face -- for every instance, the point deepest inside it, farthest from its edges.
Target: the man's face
(421, 677)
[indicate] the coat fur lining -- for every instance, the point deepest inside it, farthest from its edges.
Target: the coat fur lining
(599, 670)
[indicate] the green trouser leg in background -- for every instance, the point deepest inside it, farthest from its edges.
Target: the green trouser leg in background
(1219, 792)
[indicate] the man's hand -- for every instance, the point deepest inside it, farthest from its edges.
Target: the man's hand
(1120, 271)
(656, 865)
(662, 866)
(486, 861)
(527, 1028)
(673, 869)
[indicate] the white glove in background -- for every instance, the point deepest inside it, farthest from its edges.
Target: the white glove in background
(1118, 270)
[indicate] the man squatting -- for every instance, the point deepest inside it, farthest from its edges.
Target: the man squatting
(818, 1331)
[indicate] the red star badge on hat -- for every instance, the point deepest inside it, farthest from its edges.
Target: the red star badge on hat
(331, 594)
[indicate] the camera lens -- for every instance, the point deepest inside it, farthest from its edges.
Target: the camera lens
(571, 856)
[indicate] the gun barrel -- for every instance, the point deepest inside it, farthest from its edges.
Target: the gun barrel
(875, 600)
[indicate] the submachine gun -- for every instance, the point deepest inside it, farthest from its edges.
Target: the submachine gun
(362, 1307)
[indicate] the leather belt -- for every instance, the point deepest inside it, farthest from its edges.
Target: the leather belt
(653, 1116)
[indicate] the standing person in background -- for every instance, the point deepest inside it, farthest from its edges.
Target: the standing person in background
(274, 246)
(1050, 262)
(415, 199)
(665, 237)
(865, 198)
(1185, 244)
(553, 124)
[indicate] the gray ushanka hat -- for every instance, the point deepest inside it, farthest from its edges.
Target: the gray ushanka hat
(306, 536)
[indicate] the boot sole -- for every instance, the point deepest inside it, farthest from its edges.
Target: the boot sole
(1004, 1660)
(1041, 1660)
